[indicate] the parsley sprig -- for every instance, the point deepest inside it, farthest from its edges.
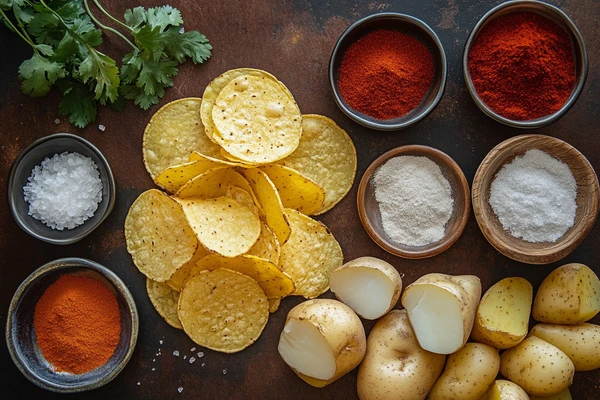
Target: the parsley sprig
(64, 37)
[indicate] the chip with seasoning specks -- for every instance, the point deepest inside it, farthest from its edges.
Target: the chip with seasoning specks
(164, 299)
(223, 310)
(158, 235)
(310, 255)
(273, 281)
(173, 178)
(195, 156)
(327, 156)
(213, 183)
(274, 305)
(267, 246)
(222, 225)
(255, 120)
(183, 272)
(296, 191)
(243, 197)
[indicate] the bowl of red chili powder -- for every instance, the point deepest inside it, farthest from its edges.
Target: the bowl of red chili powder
(72, 326)
(525, 63)
(388, 71)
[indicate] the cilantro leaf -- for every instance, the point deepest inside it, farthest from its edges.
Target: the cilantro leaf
(38, 74)
(163, 16)
(102, 69)
(132, 92)
(135, 17)
(8, 4)
(191, 44)
(78, 102)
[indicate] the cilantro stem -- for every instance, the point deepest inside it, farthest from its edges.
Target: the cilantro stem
(108, 28)
(97, 3)
(17, 31)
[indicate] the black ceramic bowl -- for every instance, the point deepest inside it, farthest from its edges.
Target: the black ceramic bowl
(33, 155)
(20, 333)
(407, 25)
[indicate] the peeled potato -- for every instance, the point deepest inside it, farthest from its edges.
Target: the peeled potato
(441, 309)
(564, 395)
(502, 317)
(505, 390)
(368, 285)
(322, 340)
(569, 295)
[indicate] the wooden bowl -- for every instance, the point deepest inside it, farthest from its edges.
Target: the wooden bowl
(368, 208)
(587, 199)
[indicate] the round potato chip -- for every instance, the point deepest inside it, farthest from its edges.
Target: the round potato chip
(236, 160)
(267, 245)
(296, 191)
(273, 281)
(195, 156)
(213, 183)
(158, 235)
(173, 133)
(310, 255)
(223, 310)
(173, 178)
(255, 120)
(274, 305)
(327, 156)
(222, 225)
(180, 276)
(164, 299)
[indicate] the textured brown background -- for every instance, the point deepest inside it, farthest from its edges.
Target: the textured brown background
(292, 40)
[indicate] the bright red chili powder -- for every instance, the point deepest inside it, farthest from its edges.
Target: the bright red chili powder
(385, 74)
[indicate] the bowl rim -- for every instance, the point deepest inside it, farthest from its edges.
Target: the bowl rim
(478, 198)
(581, 78)
(381, 126)
(52, 267)
(109, 177)
(462, 215)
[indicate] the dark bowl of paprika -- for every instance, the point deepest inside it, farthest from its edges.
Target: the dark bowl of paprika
(525, 63)
(387, 71)
(96, 335)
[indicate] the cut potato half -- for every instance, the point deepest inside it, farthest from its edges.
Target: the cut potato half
(505, 390)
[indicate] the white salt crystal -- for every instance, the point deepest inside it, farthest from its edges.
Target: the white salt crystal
(192, 359)
(138, 383)
(153, 369)
(180, 389)
(182, 30)
(224, 371)
(193, 349)
(176, 353)
(200, 354)
(102, 128)
(184, 357)
(160, 341)
(57, 121)
(203, 364)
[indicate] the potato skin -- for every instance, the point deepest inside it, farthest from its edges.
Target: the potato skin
(540, 368)
(468, 373)
(581, 343)
(564, 395)
(395, 366)
(505, 390)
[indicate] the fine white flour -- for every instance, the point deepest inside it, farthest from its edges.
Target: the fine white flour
(534, 197)
(415, 200)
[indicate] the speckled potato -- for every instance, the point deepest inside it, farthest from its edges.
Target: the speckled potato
(322, 340)
(441, 309)
(468, 373)
(539, 367)
(564, 395)
(581, 343)
(569, 295)
(502, 317)
(368, 285)
(395, 366)
(505, 390)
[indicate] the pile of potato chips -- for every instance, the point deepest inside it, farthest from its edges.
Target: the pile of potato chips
(244, 169)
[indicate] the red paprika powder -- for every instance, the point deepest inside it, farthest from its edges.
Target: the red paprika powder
(522, 66)
(385, 74)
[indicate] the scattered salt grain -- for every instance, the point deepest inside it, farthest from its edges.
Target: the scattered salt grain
(176, 353)
(57, 121)
(203, 364)
(64, 191)
(224, 371)
(138, 383)
(182, 30)
(200, 354)
(184, 357)
(153, 369)
(154, 360)
(180, 389)
(160, 342)
(102, 128)
(193, 349)
(192, 359)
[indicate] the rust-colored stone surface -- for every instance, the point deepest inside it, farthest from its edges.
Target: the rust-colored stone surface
(291, 39)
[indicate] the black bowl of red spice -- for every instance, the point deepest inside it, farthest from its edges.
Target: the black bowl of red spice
(525, 63)
(72, 326)
(387, 71)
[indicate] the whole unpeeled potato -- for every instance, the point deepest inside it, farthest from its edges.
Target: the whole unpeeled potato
(395, 367)
(505, 390)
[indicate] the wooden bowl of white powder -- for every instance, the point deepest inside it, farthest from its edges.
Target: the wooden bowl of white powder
(414, 201)
(535, 198)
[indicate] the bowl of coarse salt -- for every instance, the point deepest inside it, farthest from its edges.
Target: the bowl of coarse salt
(60, 189)
(414, 201)
(535, 198)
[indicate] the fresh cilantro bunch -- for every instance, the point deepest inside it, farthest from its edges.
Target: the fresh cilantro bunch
(64, 38)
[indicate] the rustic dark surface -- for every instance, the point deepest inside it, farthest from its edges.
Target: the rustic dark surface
(292, 40)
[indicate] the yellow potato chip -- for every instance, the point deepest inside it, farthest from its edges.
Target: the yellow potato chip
(243, 197)
(327, 156)
(255, 120)
(273, 281)
(235, 160)
(270, 202)
(222, 225)
(223, 310)
(164, 299)
(158, 236)
(173, 178)
(173, 133)
(213, 183)
(310, 255)
(296, 191)
(183, 272)
(267, 245)
(274, 305)
(195, 156)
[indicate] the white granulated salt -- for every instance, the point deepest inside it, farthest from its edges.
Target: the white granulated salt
(180, 389)
(64, 191)
(534, 197)
(192, 359)
(176, 353)
(415, 200)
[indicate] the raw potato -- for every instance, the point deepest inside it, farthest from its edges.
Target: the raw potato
(505, 390)
(395, 366)
(569, 295)
(441, 309)
(581, 343)
(468, 373)
(502, 317)
(370, 286)
(322, 340)
(564, 395)
(540, 368)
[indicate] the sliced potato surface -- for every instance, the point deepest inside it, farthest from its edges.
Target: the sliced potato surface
(164, 299)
